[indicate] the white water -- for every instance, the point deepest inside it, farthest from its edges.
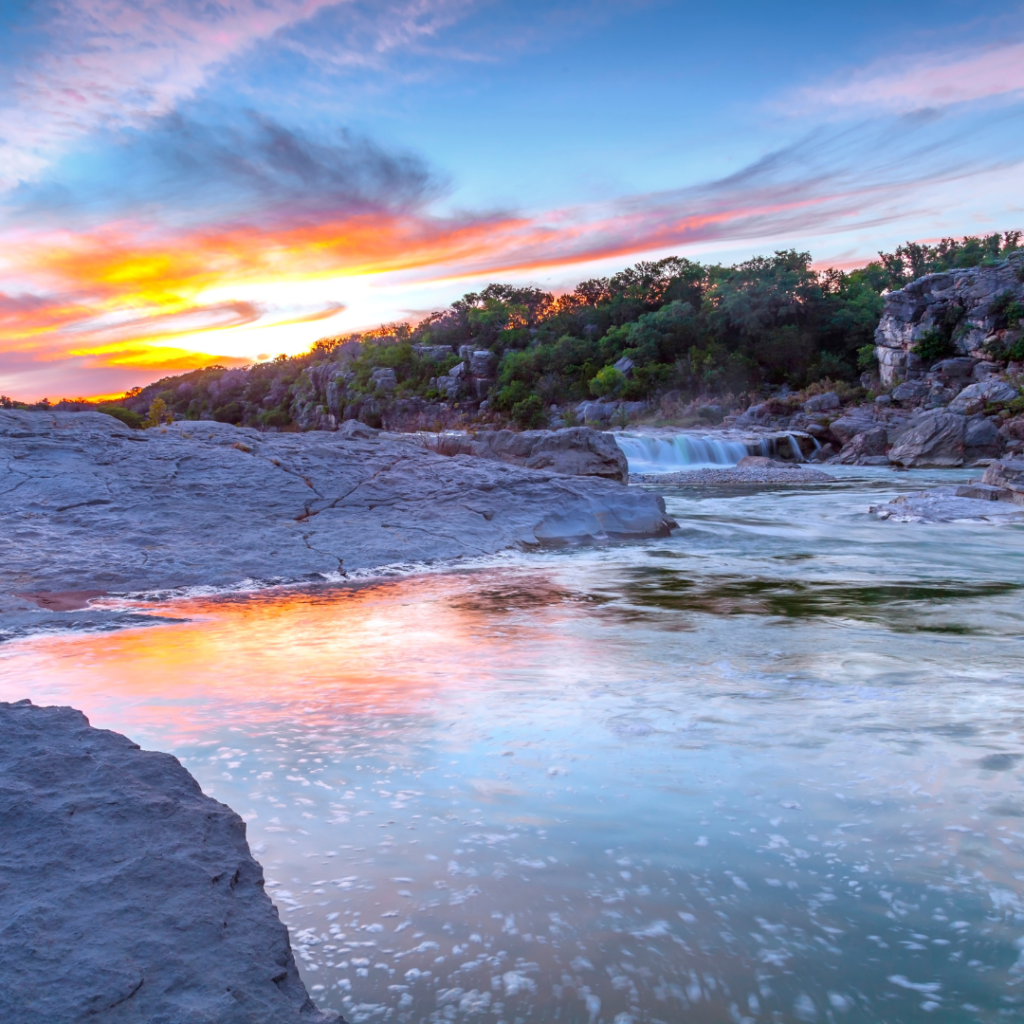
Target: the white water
(648, 454)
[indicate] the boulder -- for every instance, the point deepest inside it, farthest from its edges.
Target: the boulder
(869, 444)
(822, 403)
(985, 369)
(354, 428)
(981, 438)
(754, 415)
(847, 427)
(943, 505)
(911, 391)
(956, 370)
(935, 439)
(596, 412)
(975, 397)
(483, 363)
(384, 379)
(984, 492)
(128, 895)
(572, 451)
(1009, 475)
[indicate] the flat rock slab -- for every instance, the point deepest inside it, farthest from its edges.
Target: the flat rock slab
(89, 505)
(944, 505)
(738, 476)
(126, 895)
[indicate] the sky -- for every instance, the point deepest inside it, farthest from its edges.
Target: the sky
(187, 182)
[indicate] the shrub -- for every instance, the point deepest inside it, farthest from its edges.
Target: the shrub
(934, 345)
(158, 413)
(607, 381)
(866, 358)
(126, 416)
(529, 413)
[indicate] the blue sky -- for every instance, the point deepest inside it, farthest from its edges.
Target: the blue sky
(182, 181)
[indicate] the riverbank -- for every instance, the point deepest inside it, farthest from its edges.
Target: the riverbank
(91, 508)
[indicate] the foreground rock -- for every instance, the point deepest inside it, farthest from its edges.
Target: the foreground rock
(86, 504)
(573, 451)
(753, 471)
(946, 505)
(128, 896)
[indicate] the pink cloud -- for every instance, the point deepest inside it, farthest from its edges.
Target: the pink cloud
(901, 84)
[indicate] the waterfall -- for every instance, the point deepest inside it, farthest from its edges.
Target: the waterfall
(684, 451)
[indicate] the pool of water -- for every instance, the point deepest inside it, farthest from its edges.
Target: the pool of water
(767, 769)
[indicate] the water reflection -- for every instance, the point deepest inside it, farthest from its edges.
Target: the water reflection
(766, 770)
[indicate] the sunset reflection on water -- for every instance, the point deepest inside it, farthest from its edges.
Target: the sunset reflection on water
(759, 771)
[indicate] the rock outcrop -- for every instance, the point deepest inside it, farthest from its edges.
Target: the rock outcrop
(572, 451)
(964, 306)
(128, 897)
(87, 504)
(933, 440)
(1007, 476)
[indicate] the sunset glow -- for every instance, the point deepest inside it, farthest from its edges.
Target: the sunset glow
(153, 220)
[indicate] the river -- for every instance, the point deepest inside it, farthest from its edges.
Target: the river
(767, 769)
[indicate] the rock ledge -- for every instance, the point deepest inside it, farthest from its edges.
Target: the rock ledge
(128, 896)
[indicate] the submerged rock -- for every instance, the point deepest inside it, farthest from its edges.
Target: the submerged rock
(945, 505)
(128, 896)
(86, 504)
(753, 471)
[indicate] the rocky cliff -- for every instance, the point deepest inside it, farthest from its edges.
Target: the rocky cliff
(87, 505)
(964, 308)
(127, 896)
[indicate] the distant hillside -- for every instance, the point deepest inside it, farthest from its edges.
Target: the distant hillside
(671, 328)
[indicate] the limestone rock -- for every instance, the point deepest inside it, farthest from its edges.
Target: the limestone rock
(975, 397)
(573, 451)
(128, 896)
(869, 444)
(986, 492)
(1008, 474)
(911, 391)
(822, 403)
(981, 438)
(87, 504)
(935, 439)
(847, 427)
(965, 301)
(944, 506)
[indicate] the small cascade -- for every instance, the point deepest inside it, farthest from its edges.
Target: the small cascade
(684, 451)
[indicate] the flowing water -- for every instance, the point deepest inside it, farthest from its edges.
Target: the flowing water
(669, 453)
(767, 769)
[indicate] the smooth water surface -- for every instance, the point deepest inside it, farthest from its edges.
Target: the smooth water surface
(768, 769)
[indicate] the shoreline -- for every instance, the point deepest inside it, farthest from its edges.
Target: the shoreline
(89, 506)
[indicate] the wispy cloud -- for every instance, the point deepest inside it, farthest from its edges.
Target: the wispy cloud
(107, 64)
(134, 283)
(219, 164)
(901, 84)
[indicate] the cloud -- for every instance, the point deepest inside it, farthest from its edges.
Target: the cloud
(98, 65)
(211, 163)
(135, 284)
(933, 80)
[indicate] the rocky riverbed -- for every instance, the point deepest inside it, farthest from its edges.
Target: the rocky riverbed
(90, 508)
(128, 896)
